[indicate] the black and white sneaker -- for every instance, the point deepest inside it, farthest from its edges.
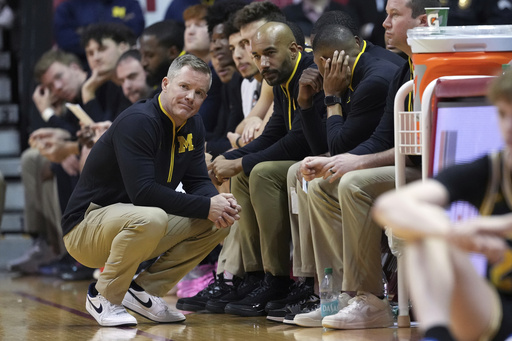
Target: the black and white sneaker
(105, 313)
(240, 289)
(217, 288)
(271, 288)
(290, 310)
(149, 306)
(299, 291)
(304, 306)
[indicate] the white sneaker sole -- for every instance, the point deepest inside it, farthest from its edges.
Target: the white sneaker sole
(329, 323)
(304, 322)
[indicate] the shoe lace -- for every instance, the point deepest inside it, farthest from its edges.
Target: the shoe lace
(297, 288)
(262, 287)
(356, 303)
(116, 309)
(304, 304)
(217, 283)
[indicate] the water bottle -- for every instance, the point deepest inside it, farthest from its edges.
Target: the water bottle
(328, 298)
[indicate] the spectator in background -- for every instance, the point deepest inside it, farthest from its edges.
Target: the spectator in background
(61, 77)
(177, 7)
(101, 98)
(159, 45)
(131, 75)
(307, 12)
(73, 16)
(231, 111)
(197, 40)
(369, 15)
(104, 43)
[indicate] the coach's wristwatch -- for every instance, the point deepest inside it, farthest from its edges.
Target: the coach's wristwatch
(332, 100)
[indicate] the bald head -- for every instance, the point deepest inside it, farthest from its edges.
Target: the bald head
(277, 32)
(275, 52)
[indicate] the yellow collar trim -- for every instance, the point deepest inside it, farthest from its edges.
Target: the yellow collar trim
(291, 101)
(411, 77)
(355, 64)
(294, 70)
(167, 114)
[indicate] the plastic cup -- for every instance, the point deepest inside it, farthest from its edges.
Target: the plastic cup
(437, 16)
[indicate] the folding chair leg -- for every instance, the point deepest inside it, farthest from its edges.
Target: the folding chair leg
(403, 320)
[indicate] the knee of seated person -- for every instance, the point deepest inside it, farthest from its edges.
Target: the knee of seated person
(262, 167)
(349, 183)
(315, 187)
(267, 170)
(29, 157)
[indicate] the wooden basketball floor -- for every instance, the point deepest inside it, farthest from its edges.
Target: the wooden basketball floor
(46, 308)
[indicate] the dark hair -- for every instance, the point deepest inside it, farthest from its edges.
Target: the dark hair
(50, 57)
(418, 6)
(256, 11)
(118, 32)
(168, 33)
(335, 18)
(331, 36)
(229, 26)
(220, 11)
(197, 64)
(133, 53)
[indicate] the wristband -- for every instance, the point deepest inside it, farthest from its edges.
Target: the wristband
(47, 114)
(237, 143)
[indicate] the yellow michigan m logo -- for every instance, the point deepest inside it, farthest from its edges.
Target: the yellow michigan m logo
(118, 12)
(185, 144)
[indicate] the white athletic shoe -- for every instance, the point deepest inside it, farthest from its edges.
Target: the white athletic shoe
(364, 311)
(151, 307)
(105, 313)
(314, 318)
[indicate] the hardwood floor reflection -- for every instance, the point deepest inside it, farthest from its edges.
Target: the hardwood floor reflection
(45, 308)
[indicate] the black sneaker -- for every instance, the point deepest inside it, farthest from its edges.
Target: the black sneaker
(272, 288)
(299, 291)
(278, 315)
(303, 307)
(240, 289)
(217, 288)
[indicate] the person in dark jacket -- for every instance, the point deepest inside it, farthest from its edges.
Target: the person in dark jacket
(258, 170)
(73, 16)
(344, 234)
(125, 208)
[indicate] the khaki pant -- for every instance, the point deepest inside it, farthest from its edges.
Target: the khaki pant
(121, 236)
(303, 253)
(344, 235)
(42, 212)
(264, 221)
(230, 257)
